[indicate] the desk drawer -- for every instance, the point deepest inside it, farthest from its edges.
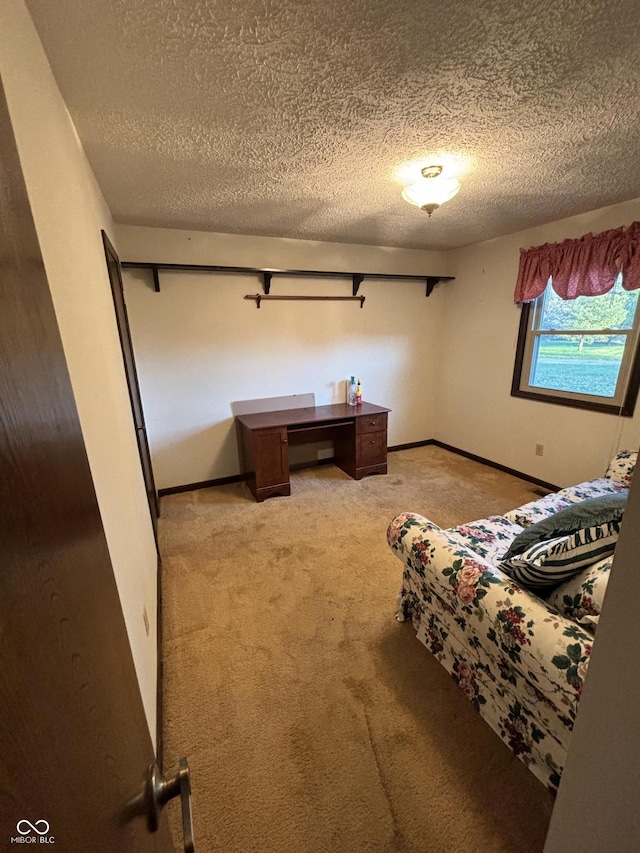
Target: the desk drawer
(371, 423)
(371, 448)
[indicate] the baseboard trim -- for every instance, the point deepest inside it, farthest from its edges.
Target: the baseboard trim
(410, 445)
(520, 474)
(301, 466)
(235, 478)
(203, 484)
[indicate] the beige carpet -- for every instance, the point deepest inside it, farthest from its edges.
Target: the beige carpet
(312, 720)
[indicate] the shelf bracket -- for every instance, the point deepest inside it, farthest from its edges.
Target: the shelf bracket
(357, 279)
(432, 280)
(266, 283)
(156, 279)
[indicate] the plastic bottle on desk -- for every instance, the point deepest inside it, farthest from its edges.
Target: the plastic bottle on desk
(351, 392)
(359, 393)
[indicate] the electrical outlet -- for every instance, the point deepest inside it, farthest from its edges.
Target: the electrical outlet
(145, 619)
(539, 449)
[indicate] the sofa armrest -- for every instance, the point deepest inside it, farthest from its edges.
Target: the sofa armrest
(511, 624)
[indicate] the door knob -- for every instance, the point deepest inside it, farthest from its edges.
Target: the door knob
(158, 792)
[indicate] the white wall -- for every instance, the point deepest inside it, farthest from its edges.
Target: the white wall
(443, 364)
(479, 334)
(69, 212)
(201, 346)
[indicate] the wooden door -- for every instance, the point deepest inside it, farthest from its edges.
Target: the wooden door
(74, 741)
(124, 330)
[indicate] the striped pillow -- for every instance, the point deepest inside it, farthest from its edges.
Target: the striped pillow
(546, 564)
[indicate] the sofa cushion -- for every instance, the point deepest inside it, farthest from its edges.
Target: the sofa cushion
(535, 511)
(547, 564)
(593, 489)
(542, 508)
(588, 513)
(581, 597)
(489, 537)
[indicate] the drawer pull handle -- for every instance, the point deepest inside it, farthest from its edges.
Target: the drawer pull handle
(372, 423)
(373, 441)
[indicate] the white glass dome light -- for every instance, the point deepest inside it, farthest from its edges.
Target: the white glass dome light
(432, 190)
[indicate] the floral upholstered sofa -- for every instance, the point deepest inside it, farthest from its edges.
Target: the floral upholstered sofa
(521, 659)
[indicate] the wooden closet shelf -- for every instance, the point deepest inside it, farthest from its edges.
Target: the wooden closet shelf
(266, 274)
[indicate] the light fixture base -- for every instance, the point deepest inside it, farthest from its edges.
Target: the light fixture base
(431, 171)
(429, 208)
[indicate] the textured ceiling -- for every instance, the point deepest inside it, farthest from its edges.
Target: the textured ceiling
(291, 117)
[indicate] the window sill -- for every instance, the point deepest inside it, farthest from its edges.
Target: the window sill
(625, 411)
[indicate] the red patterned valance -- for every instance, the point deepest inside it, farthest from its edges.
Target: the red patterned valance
(584, 267)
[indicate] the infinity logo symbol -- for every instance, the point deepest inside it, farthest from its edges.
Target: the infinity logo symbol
(31, 827)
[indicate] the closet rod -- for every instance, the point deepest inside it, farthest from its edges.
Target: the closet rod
(259, 297)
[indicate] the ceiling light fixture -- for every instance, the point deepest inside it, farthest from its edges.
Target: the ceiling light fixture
(431, 191)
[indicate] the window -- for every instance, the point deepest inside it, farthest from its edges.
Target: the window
(581, 352)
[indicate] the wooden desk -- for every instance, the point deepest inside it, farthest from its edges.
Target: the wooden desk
(359, 435)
